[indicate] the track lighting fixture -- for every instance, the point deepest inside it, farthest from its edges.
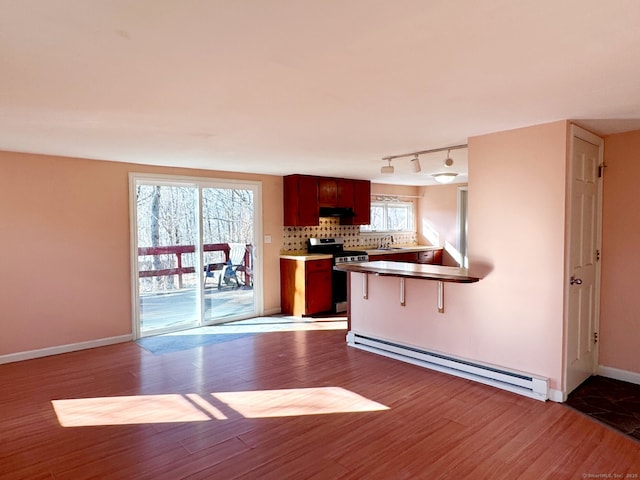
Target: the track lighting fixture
(415, 164)
(442, 177)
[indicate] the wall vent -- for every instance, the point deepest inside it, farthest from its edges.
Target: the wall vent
(513, 381)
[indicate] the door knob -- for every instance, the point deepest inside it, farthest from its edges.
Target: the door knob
(575, 281)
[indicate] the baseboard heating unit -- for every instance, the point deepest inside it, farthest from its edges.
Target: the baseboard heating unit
(513, 381)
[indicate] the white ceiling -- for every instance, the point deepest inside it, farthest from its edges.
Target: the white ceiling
(301, 86)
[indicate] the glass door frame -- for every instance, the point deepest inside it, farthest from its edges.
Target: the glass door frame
(200, 183)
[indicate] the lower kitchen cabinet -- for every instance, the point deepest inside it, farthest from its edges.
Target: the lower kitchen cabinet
(411, 257)
(305, 286)
(433, 257)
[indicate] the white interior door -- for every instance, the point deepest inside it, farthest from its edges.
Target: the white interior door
(582, 277)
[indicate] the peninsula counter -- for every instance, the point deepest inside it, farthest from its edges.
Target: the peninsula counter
(404, 270)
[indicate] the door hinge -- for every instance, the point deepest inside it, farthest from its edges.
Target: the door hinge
(595, 337)
(597, 255)
(601, 170)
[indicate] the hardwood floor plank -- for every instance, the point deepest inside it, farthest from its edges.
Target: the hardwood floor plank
(204, 460)
(436, 425)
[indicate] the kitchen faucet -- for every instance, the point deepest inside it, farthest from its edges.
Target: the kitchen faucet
(387, 240)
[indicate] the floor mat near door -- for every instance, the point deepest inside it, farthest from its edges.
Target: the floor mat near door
(613, 402)
(169, 343)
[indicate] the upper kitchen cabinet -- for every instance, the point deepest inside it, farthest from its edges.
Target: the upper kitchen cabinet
(327, 192)
(360, 192)
(305, 196)
(301, 206)
(361, 202)
(346, 191)
(335, 192)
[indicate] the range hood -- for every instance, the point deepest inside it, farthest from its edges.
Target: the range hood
(342, 212)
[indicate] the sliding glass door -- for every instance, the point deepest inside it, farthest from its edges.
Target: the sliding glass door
(167, 234)
(228, 237)
(195, 258)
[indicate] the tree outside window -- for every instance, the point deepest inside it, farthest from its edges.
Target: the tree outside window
(390, 217)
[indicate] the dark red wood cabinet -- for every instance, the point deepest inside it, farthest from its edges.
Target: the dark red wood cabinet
(433, 257)
(305, 286)
(327, 192)
(300, 196)
(345, 193)
(361, 202)
(305, 194)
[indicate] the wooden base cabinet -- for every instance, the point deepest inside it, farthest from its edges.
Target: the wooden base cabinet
(432, 257)
(305, 286)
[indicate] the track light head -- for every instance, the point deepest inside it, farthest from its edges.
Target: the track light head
(415, 164)
(387, 169)
(448, 161)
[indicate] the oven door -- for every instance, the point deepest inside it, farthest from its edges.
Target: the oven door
(339, 290)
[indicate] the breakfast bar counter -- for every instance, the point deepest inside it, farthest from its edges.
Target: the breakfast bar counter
(411, 270)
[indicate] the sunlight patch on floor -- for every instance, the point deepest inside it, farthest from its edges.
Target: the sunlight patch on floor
(139, 409)
(192, 407)
(297, 401)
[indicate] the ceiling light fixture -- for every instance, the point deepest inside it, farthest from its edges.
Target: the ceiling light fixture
(442, 177)
(415, 164)
(387, 169)
(446, 177)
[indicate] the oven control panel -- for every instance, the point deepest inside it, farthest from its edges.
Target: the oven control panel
(352, 258)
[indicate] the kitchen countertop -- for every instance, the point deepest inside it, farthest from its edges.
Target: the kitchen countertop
(306, 256)
(410, 270)
(400, 249)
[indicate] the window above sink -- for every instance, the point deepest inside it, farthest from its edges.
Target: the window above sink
(397, 216)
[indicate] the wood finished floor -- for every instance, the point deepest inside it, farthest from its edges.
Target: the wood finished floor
(437, 426)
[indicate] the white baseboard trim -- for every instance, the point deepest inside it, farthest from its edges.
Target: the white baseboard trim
(557, 396)
(617, 374)
(72, 347)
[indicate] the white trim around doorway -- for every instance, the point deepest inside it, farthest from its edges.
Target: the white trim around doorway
(200, 182)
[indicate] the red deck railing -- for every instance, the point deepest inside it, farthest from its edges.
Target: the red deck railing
(179, 250)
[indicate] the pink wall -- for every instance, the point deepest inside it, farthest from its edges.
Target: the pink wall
(437, 225)
(513, 317)
(620, 302)
(516, 227)
(389, 189)
(65, 259)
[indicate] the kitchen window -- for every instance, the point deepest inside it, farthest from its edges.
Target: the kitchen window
(390, 216)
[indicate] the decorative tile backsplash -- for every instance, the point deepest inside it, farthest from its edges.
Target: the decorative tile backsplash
(295, 238)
